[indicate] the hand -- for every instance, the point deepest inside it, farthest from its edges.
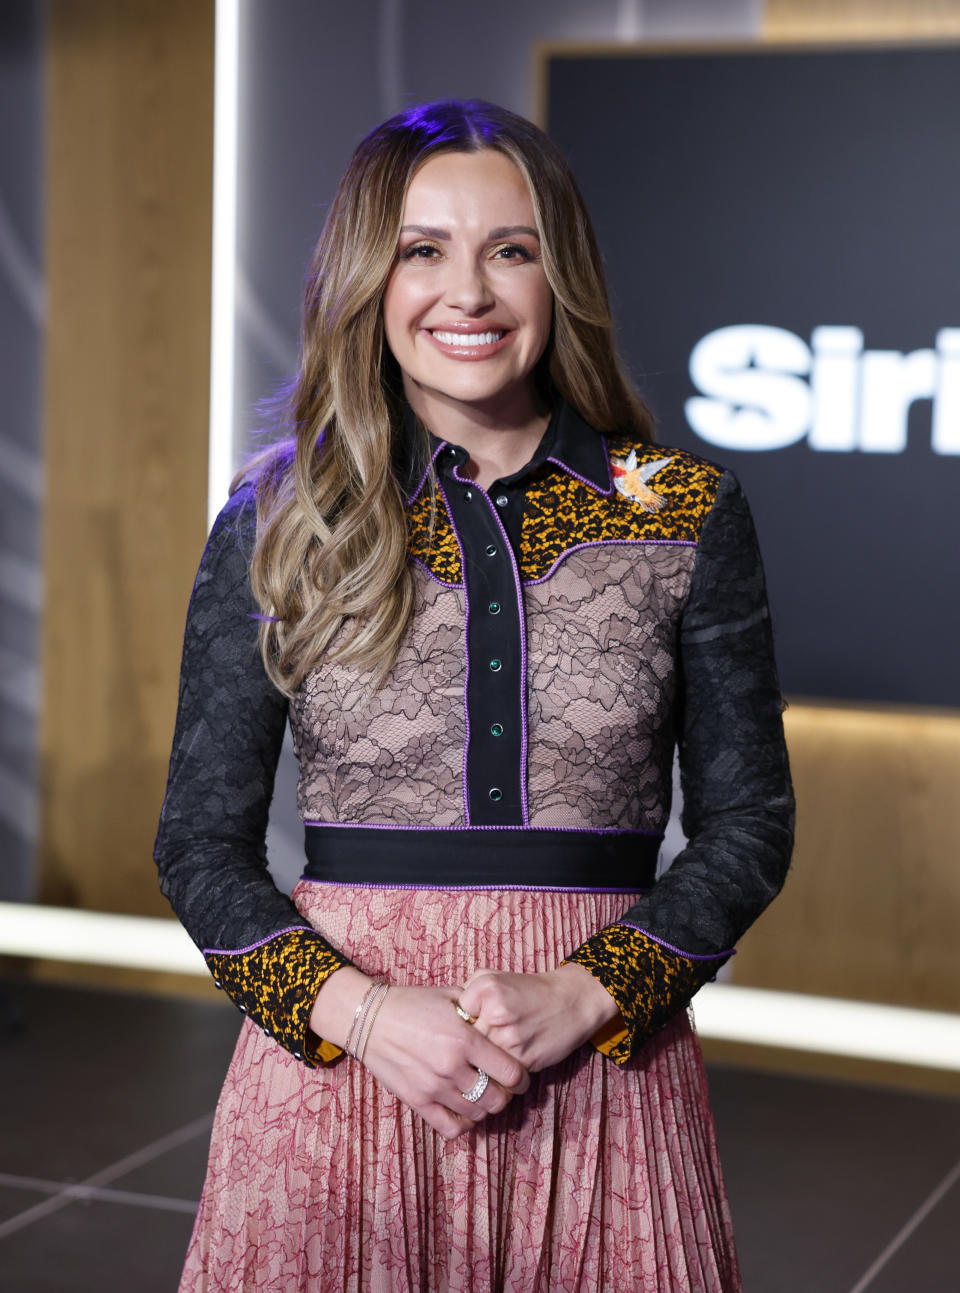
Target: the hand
(539, 1019)
(422, 1051)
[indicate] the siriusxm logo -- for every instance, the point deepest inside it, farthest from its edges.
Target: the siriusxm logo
(765, 388)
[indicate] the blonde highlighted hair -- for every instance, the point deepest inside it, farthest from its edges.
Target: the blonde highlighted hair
(330, 568)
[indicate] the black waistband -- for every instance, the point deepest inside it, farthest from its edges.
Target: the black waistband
(486, 857)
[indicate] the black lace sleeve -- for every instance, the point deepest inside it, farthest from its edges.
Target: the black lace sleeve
(738, 800)
(210, 848)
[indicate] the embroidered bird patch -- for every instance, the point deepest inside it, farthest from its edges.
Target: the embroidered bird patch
(631, 480)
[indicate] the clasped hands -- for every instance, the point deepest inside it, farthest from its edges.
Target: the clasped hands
(425, 1053)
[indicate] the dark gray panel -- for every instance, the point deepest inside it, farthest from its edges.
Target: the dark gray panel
(796, 190)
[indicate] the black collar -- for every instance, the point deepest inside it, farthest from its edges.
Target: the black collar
(568, 443)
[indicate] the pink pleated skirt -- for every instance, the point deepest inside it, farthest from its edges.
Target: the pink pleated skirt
(600, 1177)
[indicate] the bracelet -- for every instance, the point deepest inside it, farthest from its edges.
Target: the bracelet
(362, 1008)
(373, 1014)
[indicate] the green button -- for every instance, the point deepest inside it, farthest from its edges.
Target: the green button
(496, 729)
(494, 608)
(496, 794)
(496, 665)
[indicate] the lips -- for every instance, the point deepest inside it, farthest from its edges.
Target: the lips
(458, 344)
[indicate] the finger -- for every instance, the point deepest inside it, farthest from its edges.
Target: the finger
(500, 1066)
(445, 1121)
(495, 1099)
(472, 993)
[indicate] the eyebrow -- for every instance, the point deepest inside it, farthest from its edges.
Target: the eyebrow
(502, 231)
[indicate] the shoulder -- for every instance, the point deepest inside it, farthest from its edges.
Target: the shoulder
(665, 492)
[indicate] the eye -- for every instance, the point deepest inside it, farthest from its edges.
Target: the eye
(420, 251)
(512, 251)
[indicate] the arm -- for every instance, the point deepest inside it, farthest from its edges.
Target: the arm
(631, 977)
(211, 855)
(738, 800)
(210, 849)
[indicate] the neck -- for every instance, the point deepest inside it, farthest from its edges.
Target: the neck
(500, 439)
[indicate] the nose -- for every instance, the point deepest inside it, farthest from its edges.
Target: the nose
(466, 287)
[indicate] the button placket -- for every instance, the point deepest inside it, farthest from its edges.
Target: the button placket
(494, 758)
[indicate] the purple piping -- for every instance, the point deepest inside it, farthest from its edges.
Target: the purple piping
(580, 830)
(444, 583)
(603, 543)
(592, 484)
(466, 652)
(433, 459)
(691, 956)
(495, 888)
(239, 951)
(524, 810)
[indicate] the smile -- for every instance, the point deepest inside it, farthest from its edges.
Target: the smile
(466, 338)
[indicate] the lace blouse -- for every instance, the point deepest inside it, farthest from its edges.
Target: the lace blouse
(572, 624)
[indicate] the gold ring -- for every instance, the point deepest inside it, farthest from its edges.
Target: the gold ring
(467, 1019)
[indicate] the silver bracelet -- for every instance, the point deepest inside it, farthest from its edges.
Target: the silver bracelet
(373, 1014)
(364, 1002)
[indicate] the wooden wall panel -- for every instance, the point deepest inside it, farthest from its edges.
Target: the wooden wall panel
(861, 19)
(871, 909)
(129, 187)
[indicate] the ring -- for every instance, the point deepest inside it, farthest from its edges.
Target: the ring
(478, 1088)
(467, 1019)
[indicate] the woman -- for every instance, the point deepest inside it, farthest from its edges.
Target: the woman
(490, 608)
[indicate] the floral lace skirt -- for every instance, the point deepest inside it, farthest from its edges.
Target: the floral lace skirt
(599, 1178)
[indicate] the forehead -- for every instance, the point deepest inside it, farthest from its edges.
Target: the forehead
(484, 187)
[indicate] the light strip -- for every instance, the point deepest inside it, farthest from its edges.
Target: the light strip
(756, 1016)
(831, 1026)
(97, 938)
(224, 255)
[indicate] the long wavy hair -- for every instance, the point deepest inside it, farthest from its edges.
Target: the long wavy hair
(329, 568)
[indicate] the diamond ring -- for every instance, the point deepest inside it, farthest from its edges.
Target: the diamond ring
(478, 1088)
(467, 1019)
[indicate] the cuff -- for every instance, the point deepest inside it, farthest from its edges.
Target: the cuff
(650, 980)
(276, 982)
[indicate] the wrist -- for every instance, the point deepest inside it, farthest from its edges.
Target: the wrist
(594, 1005)
(335, 1007)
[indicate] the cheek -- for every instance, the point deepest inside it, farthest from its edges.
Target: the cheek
(404, 301)
(543, 313)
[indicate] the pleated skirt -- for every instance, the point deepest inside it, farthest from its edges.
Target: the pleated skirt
(600, 1177)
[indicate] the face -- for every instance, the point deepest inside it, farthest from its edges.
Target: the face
(467, 308)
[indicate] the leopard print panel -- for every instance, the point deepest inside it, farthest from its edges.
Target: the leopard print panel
(276, 984)
(562, 512)
(438, 550)
(649, 983)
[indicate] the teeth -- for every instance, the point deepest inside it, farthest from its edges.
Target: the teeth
(467, 338)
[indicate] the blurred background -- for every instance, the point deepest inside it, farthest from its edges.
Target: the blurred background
(776, 190)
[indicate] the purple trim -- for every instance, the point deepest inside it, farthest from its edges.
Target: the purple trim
(604, 543)
(690, 956)
(240, 951)
(581, 830)
(444, 583)
(521, 614)
(597, 489)
(466, 649)
(433, 459)
(492, 888)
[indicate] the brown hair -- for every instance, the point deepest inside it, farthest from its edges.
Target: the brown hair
(330, 567)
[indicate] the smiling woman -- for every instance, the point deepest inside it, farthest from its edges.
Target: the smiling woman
(489, 607)
(468, 308)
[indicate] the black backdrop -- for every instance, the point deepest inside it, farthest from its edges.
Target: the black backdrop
(797, 190)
